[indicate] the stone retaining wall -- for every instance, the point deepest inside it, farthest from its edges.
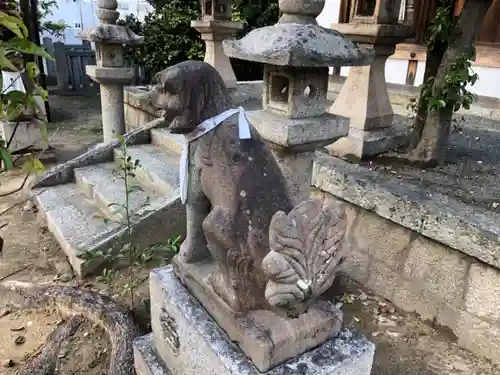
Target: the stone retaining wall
(448, 274)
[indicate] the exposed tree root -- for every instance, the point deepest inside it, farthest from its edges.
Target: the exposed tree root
(45, 360)
(115, 319)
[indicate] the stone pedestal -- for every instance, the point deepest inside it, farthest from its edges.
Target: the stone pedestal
(364, 98)
(110, 72)
(186, 340)
(293, 142)
(213, 32)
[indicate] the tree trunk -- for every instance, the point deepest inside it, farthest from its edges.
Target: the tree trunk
(431, 149)
(432, 63)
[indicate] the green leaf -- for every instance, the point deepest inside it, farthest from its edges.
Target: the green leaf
(14, 24)
(33, 165)
(5, 62)
(32, 69)
(26, 46)
(13, 112)
(15, 97)
(6, 158)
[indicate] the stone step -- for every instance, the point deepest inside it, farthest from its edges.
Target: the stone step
(101, 183)
(159, 169)
(74, 221)
(166, 140)
(73, 218)
(146, 360)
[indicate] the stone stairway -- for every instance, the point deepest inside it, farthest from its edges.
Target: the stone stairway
(74, 198)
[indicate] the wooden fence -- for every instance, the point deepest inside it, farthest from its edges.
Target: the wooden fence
(67, 70)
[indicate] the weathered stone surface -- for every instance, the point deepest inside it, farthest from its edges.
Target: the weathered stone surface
(189, 341)
(382, 279)
(239, 179)
(113, 34)
(439, 269)
(297, 45)
(243, 198)
(306, 251)
(304, 134)
(76, 224)
(26, 134)
(381, 239)
(361, 143)
(471, 230)
(158, 171)
(146, 359)
(410, 296)
(263, 335)
(138, 111)
(73, 212)
(100, 185)
(356, 265)
(483, 291)
(479, 336)
(101, 153)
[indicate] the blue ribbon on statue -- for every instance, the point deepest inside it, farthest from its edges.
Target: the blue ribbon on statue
(202, 129)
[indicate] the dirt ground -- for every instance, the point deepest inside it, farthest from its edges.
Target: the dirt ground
(471, 169)
(405, 344)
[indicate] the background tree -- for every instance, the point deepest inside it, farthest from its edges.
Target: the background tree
(45, 8)
(451, 50)
(170, 39)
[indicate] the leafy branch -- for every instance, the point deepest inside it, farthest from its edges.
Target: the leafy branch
(17, 105)
(454, 92)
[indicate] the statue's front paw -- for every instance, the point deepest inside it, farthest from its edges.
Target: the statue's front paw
(225, 291)
(193, 251)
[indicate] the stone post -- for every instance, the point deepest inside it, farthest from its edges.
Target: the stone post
(364, 98)
(61, 68)
(294, 120)
(215, 26)
(110, 72)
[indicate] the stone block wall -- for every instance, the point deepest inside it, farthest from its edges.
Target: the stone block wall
(138, 112)
(438, 280)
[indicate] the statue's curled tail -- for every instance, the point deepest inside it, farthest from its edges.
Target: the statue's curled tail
(306, 252)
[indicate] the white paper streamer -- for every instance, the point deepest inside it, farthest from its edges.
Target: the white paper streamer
(203, 128)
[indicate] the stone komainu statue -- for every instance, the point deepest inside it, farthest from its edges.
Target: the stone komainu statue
(267, 253)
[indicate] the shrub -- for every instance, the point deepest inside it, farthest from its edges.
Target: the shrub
(170, 39)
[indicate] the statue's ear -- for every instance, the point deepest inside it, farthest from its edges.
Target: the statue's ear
(161, 81)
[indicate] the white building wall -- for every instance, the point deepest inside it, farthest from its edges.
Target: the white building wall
(81, 14)
(488, 83)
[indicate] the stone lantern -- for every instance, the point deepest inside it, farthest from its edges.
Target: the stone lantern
(296, 53)
(364, 97)
(109, 71)
(215, 26)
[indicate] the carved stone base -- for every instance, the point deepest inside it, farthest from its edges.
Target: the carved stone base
(187, 339)
(360, 144)
(266, 338)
